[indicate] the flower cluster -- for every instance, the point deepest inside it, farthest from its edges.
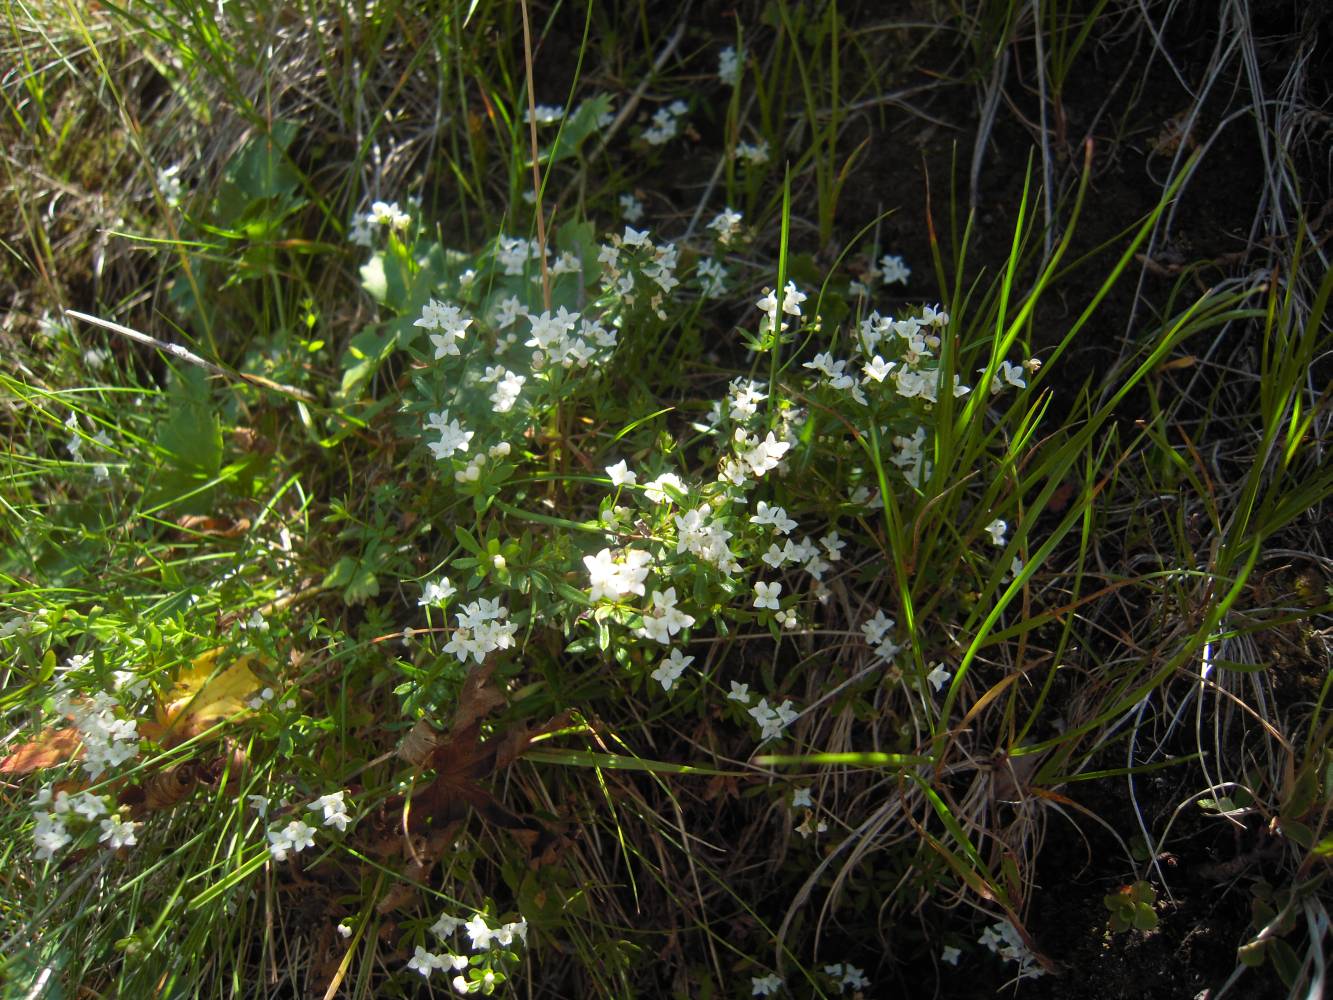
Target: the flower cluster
(626, 257)
(631, 209)
(453, 438)
(663, 620)
(754, 154)
(481, 629)
(616, 575)
(107, 740)
(169, 183)
(876, 631)
(772, 721)
(51, 832)
(1002, 938)
(293, 838)
(334, 807)
(792, 297)
(450, 323)
(556, 341)
(729, 65)
(382, 215)
(482, 937)
(671, 668)
(847, 975)
(727, 225)
(666, 123)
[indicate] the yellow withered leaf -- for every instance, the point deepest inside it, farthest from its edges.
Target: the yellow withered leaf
(205, 693)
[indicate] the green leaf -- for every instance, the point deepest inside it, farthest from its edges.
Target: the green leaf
(1299, 833)
(261, 169)
(467, 540)
(1145, 917)
(1300, 797)
(1285, 961)
(191, 434)
(354, 577)
(1252, 954)
(373, 278)
(575, 131)
(363, 357)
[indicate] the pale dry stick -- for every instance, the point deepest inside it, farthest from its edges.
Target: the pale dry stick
(712, 181)
(985, 125)
(181, 353)
(536, 166)
(1047, 169)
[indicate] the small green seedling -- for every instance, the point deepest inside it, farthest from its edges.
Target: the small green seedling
(1132, 906)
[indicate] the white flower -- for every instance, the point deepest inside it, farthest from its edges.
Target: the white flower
(740, 693)
(169, 183)
(621, 474)
(801, 799)
(436, 592)
(423, 961)
(671, 668)
(479, 932)
(754, 153)
(712, 278)
(665, 619)
(996, 530)
(389, 214)
(833, 545)
(772, 515)
(506, 392)
(448, 319)
(296, 836)
(118, 833)
(950, 954)
(612, 578)
(792, 299)
(636, 238)
(765, 986)
(344, 930)
(87, 805)
(877, 369)
(729, 66)
(934, 316)
(49, 835)
(452, 436)
(766, 595)
(446, 926)
(938, 676)
(892, 269)
(727, 225)
(1015, 567)
(631, 209)
(656, 489)
(335, 809)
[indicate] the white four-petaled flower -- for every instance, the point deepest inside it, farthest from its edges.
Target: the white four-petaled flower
(766, 595)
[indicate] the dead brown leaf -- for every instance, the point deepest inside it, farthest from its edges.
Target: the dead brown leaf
(214, 527)
(54, 746)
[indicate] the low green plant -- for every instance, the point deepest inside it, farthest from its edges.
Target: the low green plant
(1132, 906)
